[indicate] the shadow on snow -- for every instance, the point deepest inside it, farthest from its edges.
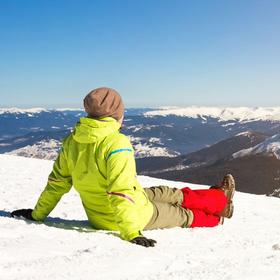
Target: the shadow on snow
(77, 225)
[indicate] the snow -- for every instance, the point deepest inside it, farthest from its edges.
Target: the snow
(228, 124)
(243, 114)
(65, 247)
(222, 113)
(270, 146)
(68, 109)
(31, 111)
(245, 133)
(44, 149)
(14, 110)
(145, 147)
(147, 150)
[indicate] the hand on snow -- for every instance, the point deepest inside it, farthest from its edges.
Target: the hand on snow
(25, 213)
(143, 241)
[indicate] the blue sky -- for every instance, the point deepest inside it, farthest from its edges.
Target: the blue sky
(216, 53)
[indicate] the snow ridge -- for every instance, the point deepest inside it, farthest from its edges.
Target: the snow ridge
(221, 113)
(270, 146)
(15, 110)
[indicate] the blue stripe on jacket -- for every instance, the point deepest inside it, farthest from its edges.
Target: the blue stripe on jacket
(119, 151)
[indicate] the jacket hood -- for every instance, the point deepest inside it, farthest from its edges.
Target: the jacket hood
(89, 130)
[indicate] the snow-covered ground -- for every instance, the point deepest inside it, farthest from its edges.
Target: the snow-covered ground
(65, 247)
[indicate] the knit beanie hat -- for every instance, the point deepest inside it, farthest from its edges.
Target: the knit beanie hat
(104, 102)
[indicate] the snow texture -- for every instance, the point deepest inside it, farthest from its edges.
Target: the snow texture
(15, 110)
(223, 114)
(44, 149)
(245, 134)
(270, 146)
(145, 147)
(65, 247)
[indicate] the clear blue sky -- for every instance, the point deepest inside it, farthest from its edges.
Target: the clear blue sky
(224, 53)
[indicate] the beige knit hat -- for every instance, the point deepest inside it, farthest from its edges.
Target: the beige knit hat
(104, 102)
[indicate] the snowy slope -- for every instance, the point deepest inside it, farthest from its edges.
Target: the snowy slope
(223, 114)
(65, 247)
(270, 146)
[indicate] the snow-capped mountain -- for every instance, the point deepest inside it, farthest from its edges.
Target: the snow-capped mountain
(66, 247)
(15, 110)
(151, 134)
(242, 114)
(270, 146)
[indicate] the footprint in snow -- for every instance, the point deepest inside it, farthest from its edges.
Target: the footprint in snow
(276, 247)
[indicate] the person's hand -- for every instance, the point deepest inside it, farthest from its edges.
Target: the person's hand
(143, 241)
(25, 213)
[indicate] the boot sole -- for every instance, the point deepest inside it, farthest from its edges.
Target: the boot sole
(229, 189)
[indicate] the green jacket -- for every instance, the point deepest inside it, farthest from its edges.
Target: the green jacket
(99, 162)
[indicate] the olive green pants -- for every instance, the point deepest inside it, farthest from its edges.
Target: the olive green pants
(168, 212)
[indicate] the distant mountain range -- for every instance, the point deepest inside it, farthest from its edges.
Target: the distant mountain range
(195, 144)
(242, 114)
(253, 158)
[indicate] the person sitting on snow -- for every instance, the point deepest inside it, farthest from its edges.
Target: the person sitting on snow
(98, 160)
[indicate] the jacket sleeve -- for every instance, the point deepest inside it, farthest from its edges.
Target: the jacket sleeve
(121, 173)
(59, 183)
